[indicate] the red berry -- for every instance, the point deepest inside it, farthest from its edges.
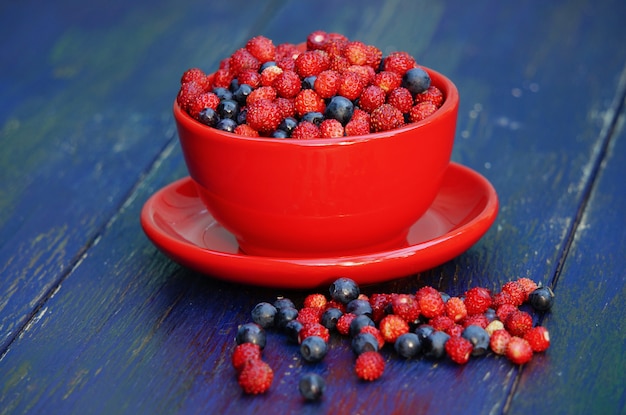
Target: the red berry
(503, 311)
(308, 100)
(250, 77)
(270, 74)
(518, 323)
(500, 299)
(316, 300)
(350, 85)
(379, 304)
(286, 51)
(306, 130)
(387, 80)
(313, 329)
(243, 353)
(477, 300)
(441, 323)
(311, 63)
(196, 75)
(187, 94)
(401, 98)
(399, 62)
(455, 309)
(222, 78)
(527, 285)
(431, 304)
(286, 107)
(261, 93)
(369, 366)
(519, 351)
(425, 290)
(343, 324)
(366, 73)
(331, 128)
(421, 111)
(459, 349)
(376, 333)
(432, 94)
(308, 315)
(256, 377)
(374, 56)
(246, 131)
(356, 53)
(454, 330)
(261, 48)
(392, 327)
(327, 83)
(339, 63)
(316, 40)
(241, 60)
(263, 116)
(386, 117)
(357, 127)
(202, 101)
(371, 98)
(475, 319)
(515, 290)
(538, 338)
(498, 341)
(405, 306)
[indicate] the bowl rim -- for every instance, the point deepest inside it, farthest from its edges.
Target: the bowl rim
(450, 104)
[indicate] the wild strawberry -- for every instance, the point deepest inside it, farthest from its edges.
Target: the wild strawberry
(196, 75)
(374, 56)
(286, 51)
(431, 304)
(376, 333)
(379, 302)
(313, 329)
(455, 330)
(499, 341)
(241, 60)
(287, 84)
(316, 40)
(243, 353)
(386, 117)
(286, 107)
(338, 63)
(441, 323)
(538, 338)
(311, 63)
(477, 300)
(308, 100)
(269, 75)
(519, 351)
(493, 326)
(310, 315)
(371, 98)
(336, 304)
(327, 83)
(336, 44)
(356, 53)
(503, 311)
(263, 116)
(286, 64)
(359, 114)
(387, 80)
(459, 349)
(261, 93)
(455, 309)
(331, 128)
(424, 291)
(343, 324)
(399, 62)
(432, 94)
(187, 94)
(421, 111)
(316, 300)
(350, 85)
(527, 285)
(367, 73)
(369, 366)
(500, 299)
(405, 306)
(392, 327)
(475, 319)
(222, 78)
(256, 377)
(306, 130)
(246, 131)
(401, 98)
(202, 101)
(515, 290)
(261, 48)
(518, 323)
(250, 77)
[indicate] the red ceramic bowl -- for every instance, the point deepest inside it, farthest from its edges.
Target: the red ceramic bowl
(322, 197)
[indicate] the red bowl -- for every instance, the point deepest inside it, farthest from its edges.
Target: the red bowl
(322, 197)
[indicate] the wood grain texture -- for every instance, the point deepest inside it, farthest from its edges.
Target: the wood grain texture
(113, 326)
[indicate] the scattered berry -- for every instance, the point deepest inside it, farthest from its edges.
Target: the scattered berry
(459, 349)
(251, 333)
(477, 300)
(369, 366)
(392, 327)
(479, 338)
(519, 351)
(541, 299)
(244, 353)
(408, 345)
(311, 386)
(313, 329)
(518, 323)
(538, 338)
(256, 377)
(313, 349)
(499, 341)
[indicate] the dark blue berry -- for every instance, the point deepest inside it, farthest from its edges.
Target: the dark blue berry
(241, 94)
(292, 331)
(284, 315)
(228, 108)
(359, 307)
(490, 313)
(222, 93)
(479, 338)
(234, 84)
(312, 386)
(287, 125)
(314, 117)
(263, 314)
(416, 80)
(433, 346)
(444, 296)
(541, 299)
(226, 124)
(279, 134)
(209, 117)
(423, 331)
(283, 302)
(364, 342)
(344, 290)
(313, 349)
(408, 345)
(251, 333)
(308, 82)
(266, 65)
(357, 324)
(242, 116)
(340, 108)
(330, 317)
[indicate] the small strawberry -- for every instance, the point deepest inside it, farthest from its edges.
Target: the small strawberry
(405, 306)
(480, 320)
(386, 117)
(499, 341)
(336, 44)
(244, 353)
(401, 98)
(286, 51)
(316, 300)
(387, 80)
(527, 285)
(246, 131)
(331, 128)
(308, 315)
(367, 73)
(519, 351)
(263, 116)
(339, 63)
(313, 329)
(270, 74)
(261, 48)
(392, 327)
(336, 304)
(455, 309)
(477, 300)
(432, 94)
(286, 64)
(306, 130)
(222, 78)
(356, 53)
(518, 323)
(371, 98)
(421, 111)
(316, 40)
(202, 101)
(431, 304)
(425, 290)
(441, 323)
(250, 77)
(256, 377)
(369, 366)
(308, 100)
(311, 63)
(503, 311)
(459, 349)
(187, 94)
(454, 330)
(376, 333)
(327, 83)
(501, 298)
(515, 290)
(350, 85)
(196, 75)
(261, 93)
(286, 107)
(343, 324)
(241, 60)
(399, 62)
(538, 338)
(379, 302)
(374, 56)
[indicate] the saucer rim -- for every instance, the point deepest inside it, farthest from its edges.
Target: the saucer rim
(279, 272)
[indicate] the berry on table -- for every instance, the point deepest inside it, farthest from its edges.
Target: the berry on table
(541, 299)
(344, 290)
(477, 300)
(392, 327)
(369, 366)
(263, 314)
(313, 329)
(459, 349)
(251, 333)
(313, 349)
(479, 338)
(243, 353)
(518, 323)
(312, 386)
(519, 351)
(256, 377)
(538, 338)
(364, 342)
(408, 345)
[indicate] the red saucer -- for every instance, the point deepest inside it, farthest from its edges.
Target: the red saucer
(177, 222)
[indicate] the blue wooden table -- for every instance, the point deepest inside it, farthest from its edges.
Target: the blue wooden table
(94, 319)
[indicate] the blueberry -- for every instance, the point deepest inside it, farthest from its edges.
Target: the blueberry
(314, 117)
(479, 337)
(226, 124)
(444, 296)
(433, 346)
(242, 116)
(279, 134)
(364, 342)
(266, 65)
(228, 108)
(330, 317)
(490, 313)
(222, 93)
(357, 324)
(408, 345)
(263, 314)
(359, 307)
(308, 82)
(541, 299)
(285, 315)
(234, 84)
(251, 333)
(312, 386)
(241, 94)
(313, 349)
(423, 331)
(287, 125)
(344, 290)
(340, 108)
(416, 80)
(282, 302)
(292, 331)
(209, 117)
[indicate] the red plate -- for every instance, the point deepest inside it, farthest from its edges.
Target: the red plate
(177, 222)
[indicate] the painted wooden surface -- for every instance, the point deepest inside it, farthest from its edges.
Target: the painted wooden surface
(94, 319)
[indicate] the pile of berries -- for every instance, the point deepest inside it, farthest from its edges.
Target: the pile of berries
(428, 324)
(328, 87)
